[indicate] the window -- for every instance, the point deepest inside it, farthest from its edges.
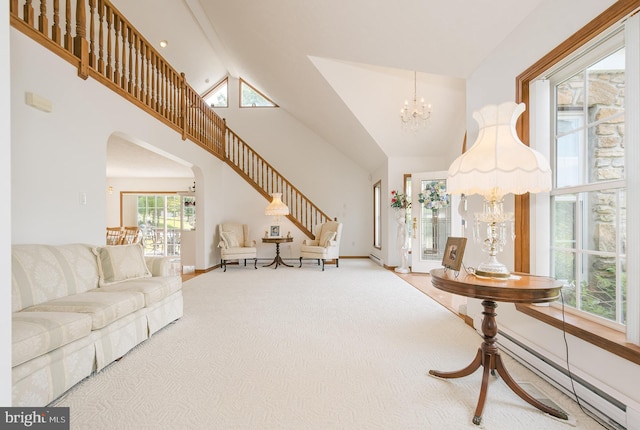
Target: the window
(593, 193)
(588, 200)
(218, 95)
(161, 218)
(377, 212)
(251, 97)
(407, 192)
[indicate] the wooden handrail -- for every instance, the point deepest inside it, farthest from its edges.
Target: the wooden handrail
(108, 48)
(266, 180)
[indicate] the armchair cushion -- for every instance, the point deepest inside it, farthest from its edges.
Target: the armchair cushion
(230, 239)
(326, 238)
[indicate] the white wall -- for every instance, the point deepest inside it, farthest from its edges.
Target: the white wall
(494, 82)
(5, 212)
(337, 185)
(59, 156)
(62, 157)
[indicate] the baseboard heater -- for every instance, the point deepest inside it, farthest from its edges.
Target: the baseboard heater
(376, 259)
(607, 410)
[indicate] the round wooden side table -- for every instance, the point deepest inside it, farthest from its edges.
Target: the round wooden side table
(522, 289)
(277, 240)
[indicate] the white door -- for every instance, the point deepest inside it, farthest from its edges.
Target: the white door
(432, 222)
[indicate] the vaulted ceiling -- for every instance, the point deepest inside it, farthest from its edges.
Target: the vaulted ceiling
(341, 67)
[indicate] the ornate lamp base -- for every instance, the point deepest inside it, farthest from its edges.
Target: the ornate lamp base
(492, 269)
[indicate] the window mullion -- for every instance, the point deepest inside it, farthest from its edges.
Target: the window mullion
(619, 225)
(578, 247)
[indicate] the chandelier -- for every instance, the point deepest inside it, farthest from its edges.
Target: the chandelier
(416, 115)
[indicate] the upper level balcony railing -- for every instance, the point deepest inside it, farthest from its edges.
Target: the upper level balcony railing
(96, 38)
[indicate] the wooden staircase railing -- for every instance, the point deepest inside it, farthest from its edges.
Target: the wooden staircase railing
(266, 180)
(110, 50)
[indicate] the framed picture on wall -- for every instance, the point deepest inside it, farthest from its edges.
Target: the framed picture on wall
(274, 231)
(453, 252)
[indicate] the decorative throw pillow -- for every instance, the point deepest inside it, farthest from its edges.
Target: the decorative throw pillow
(326, 237)
(118, 263)
(230, 239)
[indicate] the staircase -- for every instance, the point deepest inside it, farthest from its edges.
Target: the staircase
(105, 46)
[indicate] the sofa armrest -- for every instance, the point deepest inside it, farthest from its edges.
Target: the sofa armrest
(222, 245)
(249, 243)
(163, 266)
(310, 242)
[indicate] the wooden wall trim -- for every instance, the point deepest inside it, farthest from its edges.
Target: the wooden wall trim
(617, 12)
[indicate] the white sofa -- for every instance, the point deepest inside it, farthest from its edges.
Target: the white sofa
(77, 308)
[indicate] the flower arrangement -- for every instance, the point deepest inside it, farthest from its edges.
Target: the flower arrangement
(434, 195)
(400, 200)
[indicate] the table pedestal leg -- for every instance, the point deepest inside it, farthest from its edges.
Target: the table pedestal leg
(488, 356)
(278, 260)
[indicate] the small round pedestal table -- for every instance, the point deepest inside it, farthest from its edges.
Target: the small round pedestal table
(277, 240)
(522, 289)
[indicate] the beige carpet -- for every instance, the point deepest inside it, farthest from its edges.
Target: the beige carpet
(347, 348)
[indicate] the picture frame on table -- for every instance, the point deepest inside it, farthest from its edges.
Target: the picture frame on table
(453, 253)
(274, 231)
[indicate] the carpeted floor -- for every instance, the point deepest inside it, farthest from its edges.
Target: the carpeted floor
(347, 348)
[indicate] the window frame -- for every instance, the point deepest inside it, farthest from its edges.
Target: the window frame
(242, 82)
(168, 248)
(377, 215)
(596, 334)
(213, 89)
(582, 186)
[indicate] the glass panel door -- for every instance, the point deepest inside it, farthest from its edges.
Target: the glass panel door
(160, 219)
(432, 221)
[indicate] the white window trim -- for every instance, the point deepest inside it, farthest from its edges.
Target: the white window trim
(632, 157)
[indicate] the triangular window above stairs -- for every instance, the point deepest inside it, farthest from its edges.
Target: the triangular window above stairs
(251, 97)
(218, 96)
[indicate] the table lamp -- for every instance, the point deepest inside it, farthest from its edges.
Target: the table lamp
(277, 208)
(497, 164)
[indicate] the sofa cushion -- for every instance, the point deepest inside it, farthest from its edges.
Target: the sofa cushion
(102, 307)
(36, 333)
(121, 262)
(40, 273)
(154, 289)
(163, 266)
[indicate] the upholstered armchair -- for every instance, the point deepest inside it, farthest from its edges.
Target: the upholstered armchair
(325, 245)
(235, 244)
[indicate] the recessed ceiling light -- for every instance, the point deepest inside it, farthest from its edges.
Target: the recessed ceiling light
(163, 43)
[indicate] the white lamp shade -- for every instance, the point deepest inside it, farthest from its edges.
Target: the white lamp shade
(499, 163)
(277, 207)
